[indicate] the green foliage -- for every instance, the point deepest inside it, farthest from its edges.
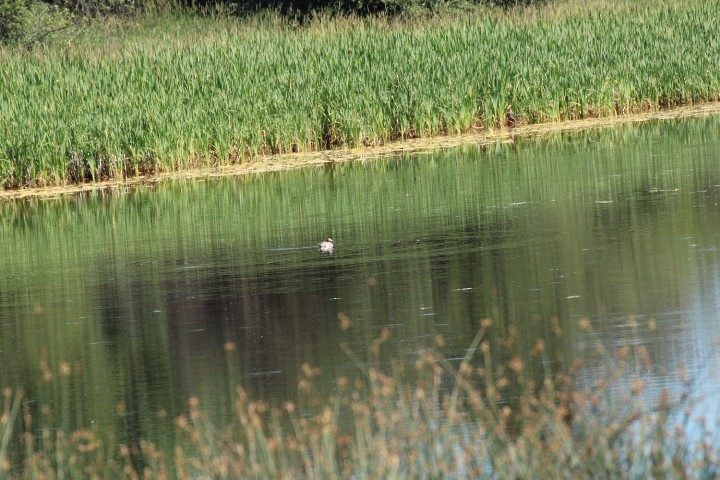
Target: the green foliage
(99, 7)
(26, 22)
(14, 15)
(182, 91)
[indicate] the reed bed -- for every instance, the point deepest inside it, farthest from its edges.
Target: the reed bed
(475, 417)
(178, 91)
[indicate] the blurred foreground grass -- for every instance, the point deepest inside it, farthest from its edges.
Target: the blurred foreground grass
(473, 417)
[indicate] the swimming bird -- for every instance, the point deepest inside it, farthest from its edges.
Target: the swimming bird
(327, 245)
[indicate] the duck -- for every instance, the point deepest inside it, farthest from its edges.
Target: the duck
(327, 245)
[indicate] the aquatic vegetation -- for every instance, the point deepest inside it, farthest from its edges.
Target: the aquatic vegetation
(474, 417)
(178, 91)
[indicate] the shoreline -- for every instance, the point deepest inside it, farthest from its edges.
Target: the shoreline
(291, 161)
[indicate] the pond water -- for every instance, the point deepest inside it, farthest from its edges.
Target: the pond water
(116, 306)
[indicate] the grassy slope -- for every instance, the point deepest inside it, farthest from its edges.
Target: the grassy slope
(178, 91)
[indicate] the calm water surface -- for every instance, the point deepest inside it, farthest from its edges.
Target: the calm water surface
(189, 288)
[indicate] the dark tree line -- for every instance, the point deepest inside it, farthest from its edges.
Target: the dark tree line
(30, 21)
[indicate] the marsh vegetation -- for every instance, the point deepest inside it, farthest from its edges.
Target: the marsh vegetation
(494, 413)
(175, 90)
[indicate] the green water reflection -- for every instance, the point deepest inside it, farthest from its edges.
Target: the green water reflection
(138, 292)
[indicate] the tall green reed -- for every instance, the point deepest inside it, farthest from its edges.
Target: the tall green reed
(178, 92)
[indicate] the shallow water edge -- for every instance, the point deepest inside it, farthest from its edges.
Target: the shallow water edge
(290, 161)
